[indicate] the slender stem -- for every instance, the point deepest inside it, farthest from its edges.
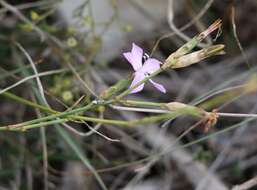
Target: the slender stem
(141, 103)
(21, 127)
(56, 114)
(237, 115)
(43, 121)
(30, 77)
(147, 120)
(61, 114)
(136, 109)
(204, 98)
(27, 102)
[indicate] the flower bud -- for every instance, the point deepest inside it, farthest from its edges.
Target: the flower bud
(198, 56)
(185, 109)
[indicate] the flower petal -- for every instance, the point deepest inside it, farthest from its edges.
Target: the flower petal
(134, 57)
(138, 77)
(129, 57)
(151, 65)
(158, 86)
(137, 55)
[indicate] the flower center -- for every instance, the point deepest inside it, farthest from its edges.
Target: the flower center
(145, 57)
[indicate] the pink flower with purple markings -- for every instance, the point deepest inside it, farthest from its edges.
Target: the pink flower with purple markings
(143, 66)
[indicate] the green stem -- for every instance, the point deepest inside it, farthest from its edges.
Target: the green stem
(133, 123)
(141, 103)
(27, 102)
(43, 121)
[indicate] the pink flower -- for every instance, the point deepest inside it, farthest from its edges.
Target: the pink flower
(143, 66)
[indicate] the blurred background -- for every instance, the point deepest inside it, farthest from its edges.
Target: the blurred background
(77, 45)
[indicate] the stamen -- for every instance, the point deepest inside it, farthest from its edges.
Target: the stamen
(145, 57)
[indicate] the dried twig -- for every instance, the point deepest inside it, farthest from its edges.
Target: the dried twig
(246, 185)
